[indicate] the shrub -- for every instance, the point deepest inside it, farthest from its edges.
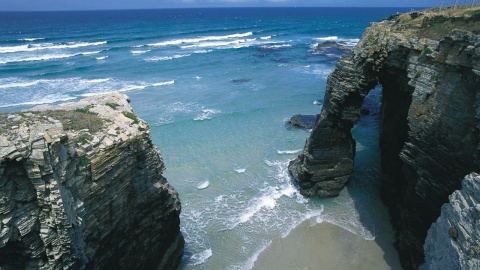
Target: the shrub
(131, 116)
(112, 105)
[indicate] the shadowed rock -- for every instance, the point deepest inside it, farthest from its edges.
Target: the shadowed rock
(82, 187)
(302, 121)
(428, 64)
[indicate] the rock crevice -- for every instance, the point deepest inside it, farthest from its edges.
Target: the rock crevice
(91, 198)
(430, 118)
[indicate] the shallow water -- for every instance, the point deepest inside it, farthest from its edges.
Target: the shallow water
(216, 87)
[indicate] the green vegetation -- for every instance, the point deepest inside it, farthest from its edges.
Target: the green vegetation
(131, 116)
(85, 109)
(427, 51)
(437, 23)
(418, 74)
(76, 120)
(112, 105)
(83, 139)
(84, 161)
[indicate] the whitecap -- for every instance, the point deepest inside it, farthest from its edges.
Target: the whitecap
(31, 39)
(274, 47)
(197, 77)
(288, 152)
(203, 185)
(199, 39)
(44, 57)
(266, 37)
(329, 38)
(317, 102)
(201, 257)
(140, 51)
(241, 170)
(48, 46)
(165, 58)
(98, 80)
(48, 99)
(19, 84)
(101, 57)
(163, 83)
(206, 114)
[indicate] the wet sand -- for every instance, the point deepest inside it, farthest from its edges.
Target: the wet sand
(325, 246)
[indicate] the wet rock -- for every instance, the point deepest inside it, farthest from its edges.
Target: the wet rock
(302, 121)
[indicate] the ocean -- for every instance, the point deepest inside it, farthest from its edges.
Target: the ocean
(216, 87)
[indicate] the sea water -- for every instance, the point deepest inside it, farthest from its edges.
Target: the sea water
(216, 87)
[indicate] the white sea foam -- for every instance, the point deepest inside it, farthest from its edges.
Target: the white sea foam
(199, 39)
(203, 185)
(266, 37)
(44, 57)
(101, 57)
(330, 38)
(288, 152)
(275, 47)
(251, 261)
(197, 77)
(317, 214)
(98, 80)
(140, 51)
(19, 84)
(229, 44)
(201, 257)
(202, 51)
(317, 102)
(44, 100)
(48, 46)
(206, 114)
(31, 39)
(241, 170)
(163, 83)
(165, 58)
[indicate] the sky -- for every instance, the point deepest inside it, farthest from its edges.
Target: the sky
(38, 5)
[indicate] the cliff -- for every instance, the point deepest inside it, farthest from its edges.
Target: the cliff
(453, 241)
(428, 63)
(81, 187)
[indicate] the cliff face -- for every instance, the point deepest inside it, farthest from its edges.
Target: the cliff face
(82, 187)
(429, 66)
(453, 241)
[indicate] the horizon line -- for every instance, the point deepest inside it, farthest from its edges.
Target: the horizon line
(159, 8)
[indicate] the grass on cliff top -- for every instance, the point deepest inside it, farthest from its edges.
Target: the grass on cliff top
(76, 120)
(414, 20)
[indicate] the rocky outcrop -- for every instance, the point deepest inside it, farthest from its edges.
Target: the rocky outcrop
(453, 241)
(303, 121)
(428, 64)
(81, 187)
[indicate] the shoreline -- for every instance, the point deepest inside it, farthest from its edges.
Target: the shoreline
(312, 245)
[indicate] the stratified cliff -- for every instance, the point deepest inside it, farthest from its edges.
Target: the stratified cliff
(81, 187)
(428, 64)
(453, 241)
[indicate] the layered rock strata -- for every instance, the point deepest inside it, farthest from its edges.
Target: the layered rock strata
(453, 241)
(428, 64)
(81, 187)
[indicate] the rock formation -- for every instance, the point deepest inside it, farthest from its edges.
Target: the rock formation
(453, 241)
(81, 187)
(302, 121)
(428, 64)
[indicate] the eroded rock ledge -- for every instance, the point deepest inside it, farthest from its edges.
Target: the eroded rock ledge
(82, 188)
(453, 241)
(428, 63)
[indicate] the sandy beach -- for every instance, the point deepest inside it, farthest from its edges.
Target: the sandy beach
(326, 246)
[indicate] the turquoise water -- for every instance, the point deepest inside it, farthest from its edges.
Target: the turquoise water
(216, 87)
